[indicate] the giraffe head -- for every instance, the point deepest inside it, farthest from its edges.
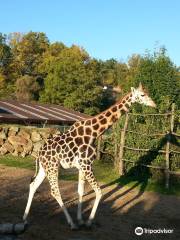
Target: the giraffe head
(139, 95)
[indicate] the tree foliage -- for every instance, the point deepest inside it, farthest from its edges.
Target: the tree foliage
(33, 69)
(160, 76)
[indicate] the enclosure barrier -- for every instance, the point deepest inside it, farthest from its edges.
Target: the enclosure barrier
(120, 147)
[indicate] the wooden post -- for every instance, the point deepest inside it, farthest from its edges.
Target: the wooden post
(168, 146)
(115, 142)
(121, 149)
(99, 148)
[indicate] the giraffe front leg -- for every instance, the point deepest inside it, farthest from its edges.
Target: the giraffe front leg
(93, 183)
(32, 189)
(81, 193)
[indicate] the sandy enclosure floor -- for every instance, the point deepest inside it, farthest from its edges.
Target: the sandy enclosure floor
(122, 209)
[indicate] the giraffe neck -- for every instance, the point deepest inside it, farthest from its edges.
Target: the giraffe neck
(112, 114)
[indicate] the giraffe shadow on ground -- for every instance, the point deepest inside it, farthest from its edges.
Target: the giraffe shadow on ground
(139, 174)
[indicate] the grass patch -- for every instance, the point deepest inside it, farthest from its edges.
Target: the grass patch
(104, 172)
(19, 162)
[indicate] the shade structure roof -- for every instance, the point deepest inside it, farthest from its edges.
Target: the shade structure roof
(26, 113)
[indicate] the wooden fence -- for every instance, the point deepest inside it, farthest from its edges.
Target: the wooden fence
(122, 146)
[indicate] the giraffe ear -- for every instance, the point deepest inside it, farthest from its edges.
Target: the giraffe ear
(132, 89)
(140, 86)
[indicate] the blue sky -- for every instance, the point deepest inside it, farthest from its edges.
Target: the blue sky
(105, 28)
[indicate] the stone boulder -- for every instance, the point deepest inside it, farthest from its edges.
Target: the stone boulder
(1, 141)
(13, 131)
(7, 148)
(45, 133)
(24, 133)
(17, 140)
(35, 136)
(3, 134)
(18, 150)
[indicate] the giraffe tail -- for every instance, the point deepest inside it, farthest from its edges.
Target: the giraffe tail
(36, 171)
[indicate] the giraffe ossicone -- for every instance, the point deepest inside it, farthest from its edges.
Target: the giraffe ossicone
(76, 148)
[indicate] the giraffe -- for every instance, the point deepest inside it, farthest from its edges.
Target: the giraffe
(76, 148)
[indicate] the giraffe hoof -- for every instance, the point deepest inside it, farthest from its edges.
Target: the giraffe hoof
(74, 227)
(88, 224)
(81, 223)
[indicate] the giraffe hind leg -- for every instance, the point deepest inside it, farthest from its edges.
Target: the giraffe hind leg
(53, 181)
(81, 193)
(32, 189)
(93, 183)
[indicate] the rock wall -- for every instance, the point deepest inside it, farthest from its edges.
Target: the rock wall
(22, 141)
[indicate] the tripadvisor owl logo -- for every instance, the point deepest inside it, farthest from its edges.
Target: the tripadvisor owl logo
(138, 231)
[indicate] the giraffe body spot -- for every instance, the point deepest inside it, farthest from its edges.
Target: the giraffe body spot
(86, 139)
(101, 117)
(114, 118)
(53, 152)
(114, 109)
(71, 145)
(81, 131)
(78, 141)
(88, 122)
(94, 120)
(103, 121)
(69, 139)
(108, 114)
(88, 131)
(74, 133)
(96, 126)
(120, 105)
(102, 129)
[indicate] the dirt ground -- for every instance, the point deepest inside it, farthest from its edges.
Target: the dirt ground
(122, 209)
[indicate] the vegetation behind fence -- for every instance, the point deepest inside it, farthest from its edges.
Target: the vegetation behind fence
(145, 140)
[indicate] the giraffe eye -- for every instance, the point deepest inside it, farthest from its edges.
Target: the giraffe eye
(142, 95)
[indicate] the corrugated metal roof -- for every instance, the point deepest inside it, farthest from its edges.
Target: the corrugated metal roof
(18, 112)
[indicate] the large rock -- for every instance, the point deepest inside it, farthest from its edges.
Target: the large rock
(3, 134)
(7, 148)
(45, 133)
(28, 147)
(1, 141)
(17, 140)
(14, 128)
(24, 133)
(13, 131)
(18, 149)
(35, 136)
(3, 150)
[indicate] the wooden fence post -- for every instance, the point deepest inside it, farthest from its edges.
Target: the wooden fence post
(168, 146)
(115, 141)
(121, 149)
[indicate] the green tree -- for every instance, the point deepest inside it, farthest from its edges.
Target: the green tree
(160, 76)
(113, 72)
(73, 81)
(27, 51)
(6, 83)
